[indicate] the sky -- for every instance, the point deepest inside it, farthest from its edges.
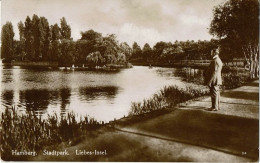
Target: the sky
(143, 21)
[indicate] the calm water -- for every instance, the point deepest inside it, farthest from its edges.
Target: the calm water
(102, 95)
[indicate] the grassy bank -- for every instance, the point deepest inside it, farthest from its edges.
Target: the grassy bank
(168, 97)
(27, 132)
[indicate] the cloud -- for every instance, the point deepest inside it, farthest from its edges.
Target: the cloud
(133, 33)
(131, 20)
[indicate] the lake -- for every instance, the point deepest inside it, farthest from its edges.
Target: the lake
(104, 96)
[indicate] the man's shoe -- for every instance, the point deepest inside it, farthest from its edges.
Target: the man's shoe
(210, 109)
(215, 110)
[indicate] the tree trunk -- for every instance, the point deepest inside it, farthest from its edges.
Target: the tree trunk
(251, 54)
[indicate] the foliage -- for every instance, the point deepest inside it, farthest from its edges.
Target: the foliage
(7, 39)
(137, 51)
(233, 78)
(126, 49)
(147, 52)
(31, 133)
(167, 98)
(168, 53)
(40, 41)
(65, 29)
(236, 24)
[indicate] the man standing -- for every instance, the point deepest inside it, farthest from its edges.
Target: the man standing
(215, 80)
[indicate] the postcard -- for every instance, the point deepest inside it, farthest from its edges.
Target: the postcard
(129, 80)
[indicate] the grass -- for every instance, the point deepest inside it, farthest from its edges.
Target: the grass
(168, 97)
(30, 133)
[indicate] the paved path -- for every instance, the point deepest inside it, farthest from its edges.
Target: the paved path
(232, 132)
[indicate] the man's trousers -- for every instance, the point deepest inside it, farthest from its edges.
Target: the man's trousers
(215, 96)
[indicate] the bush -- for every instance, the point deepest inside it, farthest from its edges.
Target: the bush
(30, 133)
(234, 78)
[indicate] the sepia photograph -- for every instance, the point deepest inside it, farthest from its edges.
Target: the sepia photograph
(129, 80)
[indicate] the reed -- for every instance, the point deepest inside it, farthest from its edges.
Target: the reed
(27, 132)
(168, 97)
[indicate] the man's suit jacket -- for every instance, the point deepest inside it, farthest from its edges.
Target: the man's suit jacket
(214, 72)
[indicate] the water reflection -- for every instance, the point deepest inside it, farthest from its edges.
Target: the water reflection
(7, 97)
(92, 93)
(190, 74)
(36, 100)
(102, 95)
(65, 94)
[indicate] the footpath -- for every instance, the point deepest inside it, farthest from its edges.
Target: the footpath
(188, 133)
(231, 134)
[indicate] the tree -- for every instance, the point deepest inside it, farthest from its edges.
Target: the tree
(137, 52)
(65, 29)
(90, 35)
(95, 58)
(7, 39)
(55, 43)
(37, 35)
(81, 51)
(67, 51)
(45, 39)
(54, 53)
(236, 24)
(94, 40)
(55, 32)
(158, 49)
(21, 29)
(111, 49)
(147, 51)
(126, 49)
(28, 37)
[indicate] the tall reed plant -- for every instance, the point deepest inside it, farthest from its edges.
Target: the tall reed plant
(27, 132)
(168, 97)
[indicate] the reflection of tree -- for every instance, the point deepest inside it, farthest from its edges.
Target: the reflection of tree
(35, 99)
(91, 93)
(190, 74)
(65, 94)
(7, 97)
(39, 100)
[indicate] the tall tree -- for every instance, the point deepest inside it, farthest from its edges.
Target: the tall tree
(67, 51)
(137, 51)
(28, 37)
(36, 33)
(158, 49)
(65, 29)
(55, 32)
(126, 49)
(55, 43)
(236, 24)
(147, 51)
(45, 38)
(7, 39)
(21, 46)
